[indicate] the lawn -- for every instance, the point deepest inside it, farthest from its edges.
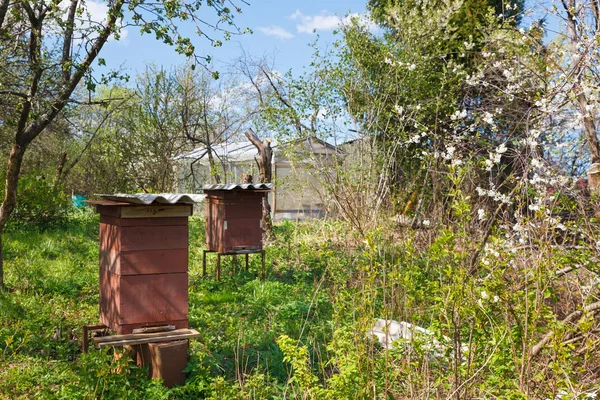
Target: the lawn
(303, 332)
(53, 272)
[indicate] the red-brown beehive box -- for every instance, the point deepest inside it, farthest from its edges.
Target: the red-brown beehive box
(143, 265)
(234, 219)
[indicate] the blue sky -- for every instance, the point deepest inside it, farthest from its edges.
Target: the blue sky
(282, 29)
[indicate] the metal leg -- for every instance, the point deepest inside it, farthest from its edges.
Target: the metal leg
(246, 262)
(204, 263)
(262, 253)
(218, 266)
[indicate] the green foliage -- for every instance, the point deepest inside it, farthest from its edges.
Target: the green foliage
(302, 333)
(303, 377)
(40, 199)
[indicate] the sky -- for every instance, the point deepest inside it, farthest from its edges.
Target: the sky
(281, 29)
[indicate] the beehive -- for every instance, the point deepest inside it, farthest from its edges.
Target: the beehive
(143, 265)
(234, 217)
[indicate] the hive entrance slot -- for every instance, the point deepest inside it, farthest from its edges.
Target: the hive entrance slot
(243, 248)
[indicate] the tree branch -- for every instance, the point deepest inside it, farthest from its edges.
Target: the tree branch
(282, 99)
(34, 129)
(14, 93)
(66, 171)
(67, 41)
(34, 50)
(3, 11)
(593, 308)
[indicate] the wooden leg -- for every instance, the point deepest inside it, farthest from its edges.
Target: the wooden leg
(262, 253)
(204, 263)
(86, 335)
(218, 266)
(84, 344)
(246, 262)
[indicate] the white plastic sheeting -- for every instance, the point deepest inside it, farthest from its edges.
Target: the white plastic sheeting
(388, 331)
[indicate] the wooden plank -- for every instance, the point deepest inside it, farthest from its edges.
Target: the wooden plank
(154, 335)
(141, 338)
(134, 238)
(157, 211)
(110, 210)
(106, 203)
(128, 328)
(133, 301)
(144, 262)
(106, 219)
(154, 262)
(110, 236)
(152, 329)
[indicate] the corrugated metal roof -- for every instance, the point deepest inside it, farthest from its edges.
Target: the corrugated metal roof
(161, 198)
(239, 186)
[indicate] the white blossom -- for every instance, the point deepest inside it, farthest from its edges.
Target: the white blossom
(481, 214)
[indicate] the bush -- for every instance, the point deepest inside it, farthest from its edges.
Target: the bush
(39, 200)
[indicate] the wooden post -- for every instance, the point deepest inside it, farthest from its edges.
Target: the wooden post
(218, 267)
(262, 253)
(265, 165)
(165, 360)
(594, 178)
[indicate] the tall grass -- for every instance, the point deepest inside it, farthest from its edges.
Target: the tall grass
(303, 332)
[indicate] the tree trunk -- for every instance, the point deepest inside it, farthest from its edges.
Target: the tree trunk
(265, 166)
(2, 286)
(574, 19)
(59, 170)
(213, 166)
(15, 159)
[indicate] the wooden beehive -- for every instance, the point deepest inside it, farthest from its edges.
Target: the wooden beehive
(143, 265)
(234, 220)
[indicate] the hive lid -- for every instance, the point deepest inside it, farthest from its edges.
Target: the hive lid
(239, 186)
(161, 198)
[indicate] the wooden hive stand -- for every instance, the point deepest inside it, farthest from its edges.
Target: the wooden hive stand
(163, 350)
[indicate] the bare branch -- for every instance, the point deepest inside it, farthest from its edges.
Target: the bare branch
(67, 41)
(592, 309)
(14, 93)
(3, 11)
(34, 129)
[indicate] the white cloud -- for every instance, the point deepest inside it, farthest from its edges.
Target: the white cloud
(96, 13)
(325, 21)
(276, 31)
(364, 20)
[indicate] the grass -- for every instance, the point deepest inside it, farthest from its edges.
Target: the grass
(301, 333)
(53, 271)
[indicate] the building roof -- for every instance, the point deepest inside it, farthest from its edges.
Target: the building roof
(244, 151)
(236, 151)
